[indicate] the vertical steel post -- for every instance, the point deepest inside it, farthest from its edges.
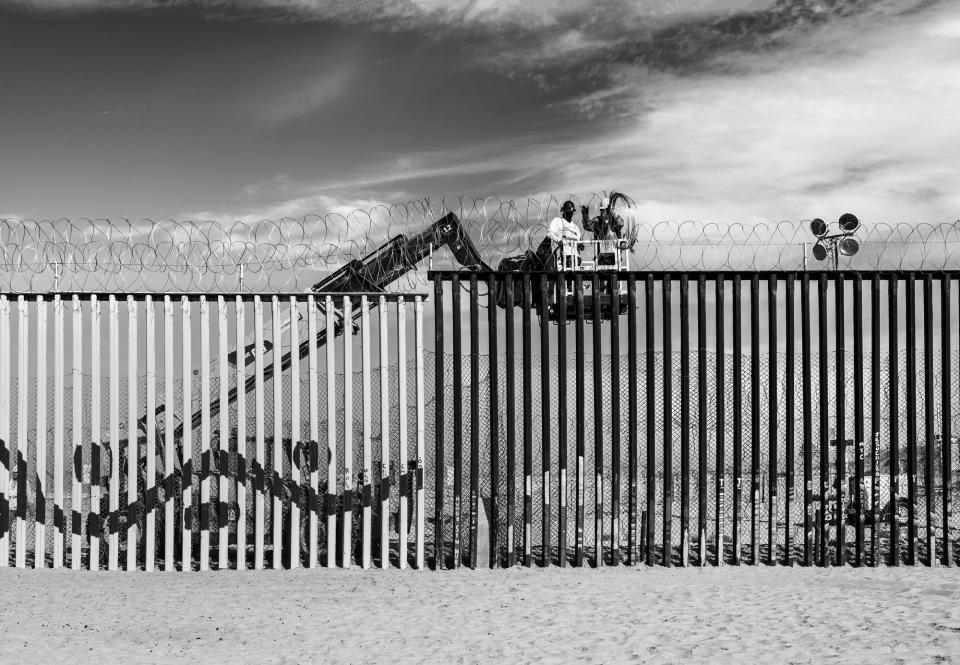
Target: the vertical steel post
(6, 443)
(421, 453)
(257, 464)
(650, 539)
(439, 400)
(169, 488)
(40, 441)
(403, 463)
(349, 489)
(58, 427)
(561, 297)
(721, 470)
(929, 443)
(77, 387)
(205, 466)
(492, 329)
(946, 434)
(841, 421)
(95, 528)
(614, 284)
(684, 420)
(223, 537)
(186, 460)
(384, 476)
(772, 434)
(511, 423)
(132, 434)
(790, 417)
(823, 354)
(667, 424)
(755, 419)
(241, 436)
(114, 449)
(367, 473)
(858, 414)
(527, 426)
(474, 419)
(875, 370)
(546, 423)
(894, 411)
(457, 419)
(276, 514)
(597, 425)
(580, 420)
(737, 419)
(296, 437)
(330, 502)
(912, 419)
(805, 371)
(313, 377)
(633, 419)
(702, 424)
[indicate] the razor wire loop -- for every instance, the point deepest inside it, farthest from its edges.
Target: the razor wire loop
(293, 253)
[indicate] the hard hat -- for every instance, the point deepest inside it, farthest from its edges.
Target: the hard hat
(604, 203)
(568, 207)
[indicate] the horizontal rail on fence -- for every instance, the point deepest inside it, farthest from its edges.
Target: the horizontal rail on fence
(244, 295)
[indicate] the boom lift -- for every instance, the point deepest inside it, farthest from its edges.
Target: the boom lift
(372, 274)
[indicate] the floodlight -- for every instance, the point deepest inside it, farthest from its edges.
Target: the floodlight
(849, 246)
(849, 222)
(818, 227)
(819, 252)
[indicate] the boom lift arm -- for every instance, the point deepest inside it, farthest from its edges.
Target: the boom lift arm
(372, 274)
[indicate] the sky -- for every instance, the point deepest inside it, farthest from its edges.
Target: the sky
(709, 110)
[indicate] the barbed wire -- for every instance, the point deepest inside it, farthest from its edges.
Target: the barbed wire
(293, 254)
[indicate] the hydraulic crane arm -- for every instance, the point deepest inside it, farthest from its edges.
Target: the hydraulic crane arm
(372, 274)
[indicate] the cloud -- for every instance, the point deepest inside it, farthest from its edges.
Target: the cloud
(306, 98)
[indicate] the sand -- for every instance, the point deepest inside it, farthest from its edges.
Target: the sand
(656, 615)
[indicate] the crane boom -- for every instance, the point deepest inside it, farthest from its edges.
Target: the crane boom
(371, 274)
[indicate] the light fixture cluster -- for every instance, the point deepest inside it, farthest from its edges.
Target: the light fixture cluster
(828, 245)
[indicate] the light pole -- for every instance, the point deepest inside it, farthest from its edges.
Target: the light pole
(829, 246)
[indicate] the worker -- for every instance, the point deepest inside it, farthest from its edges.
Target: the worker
(604, 226)
(563, 227)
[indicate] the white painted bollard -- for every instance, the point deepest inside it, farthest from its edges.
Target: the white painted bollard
(203, 507)
(40, 472)
(95, 431)
(347, 542)
(402, 462)
(276, 515)
(5, 426)
(384, 478)
(150, 490)
(76, 497)
(256, 464)
(132, 434)
(187, 518)
(113, 523)
(59, 519)
(314, 443)
(243, 467)
(419, 479)
(168, 443)
(223, 489)
(367, 461)
(295, 438)
(331, 436)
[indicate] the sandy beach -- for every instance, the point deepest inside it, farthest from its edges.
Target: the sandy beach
(712, 615)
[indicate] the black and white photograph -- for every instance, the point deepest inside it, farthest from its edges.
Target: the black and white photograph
(479, 331)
